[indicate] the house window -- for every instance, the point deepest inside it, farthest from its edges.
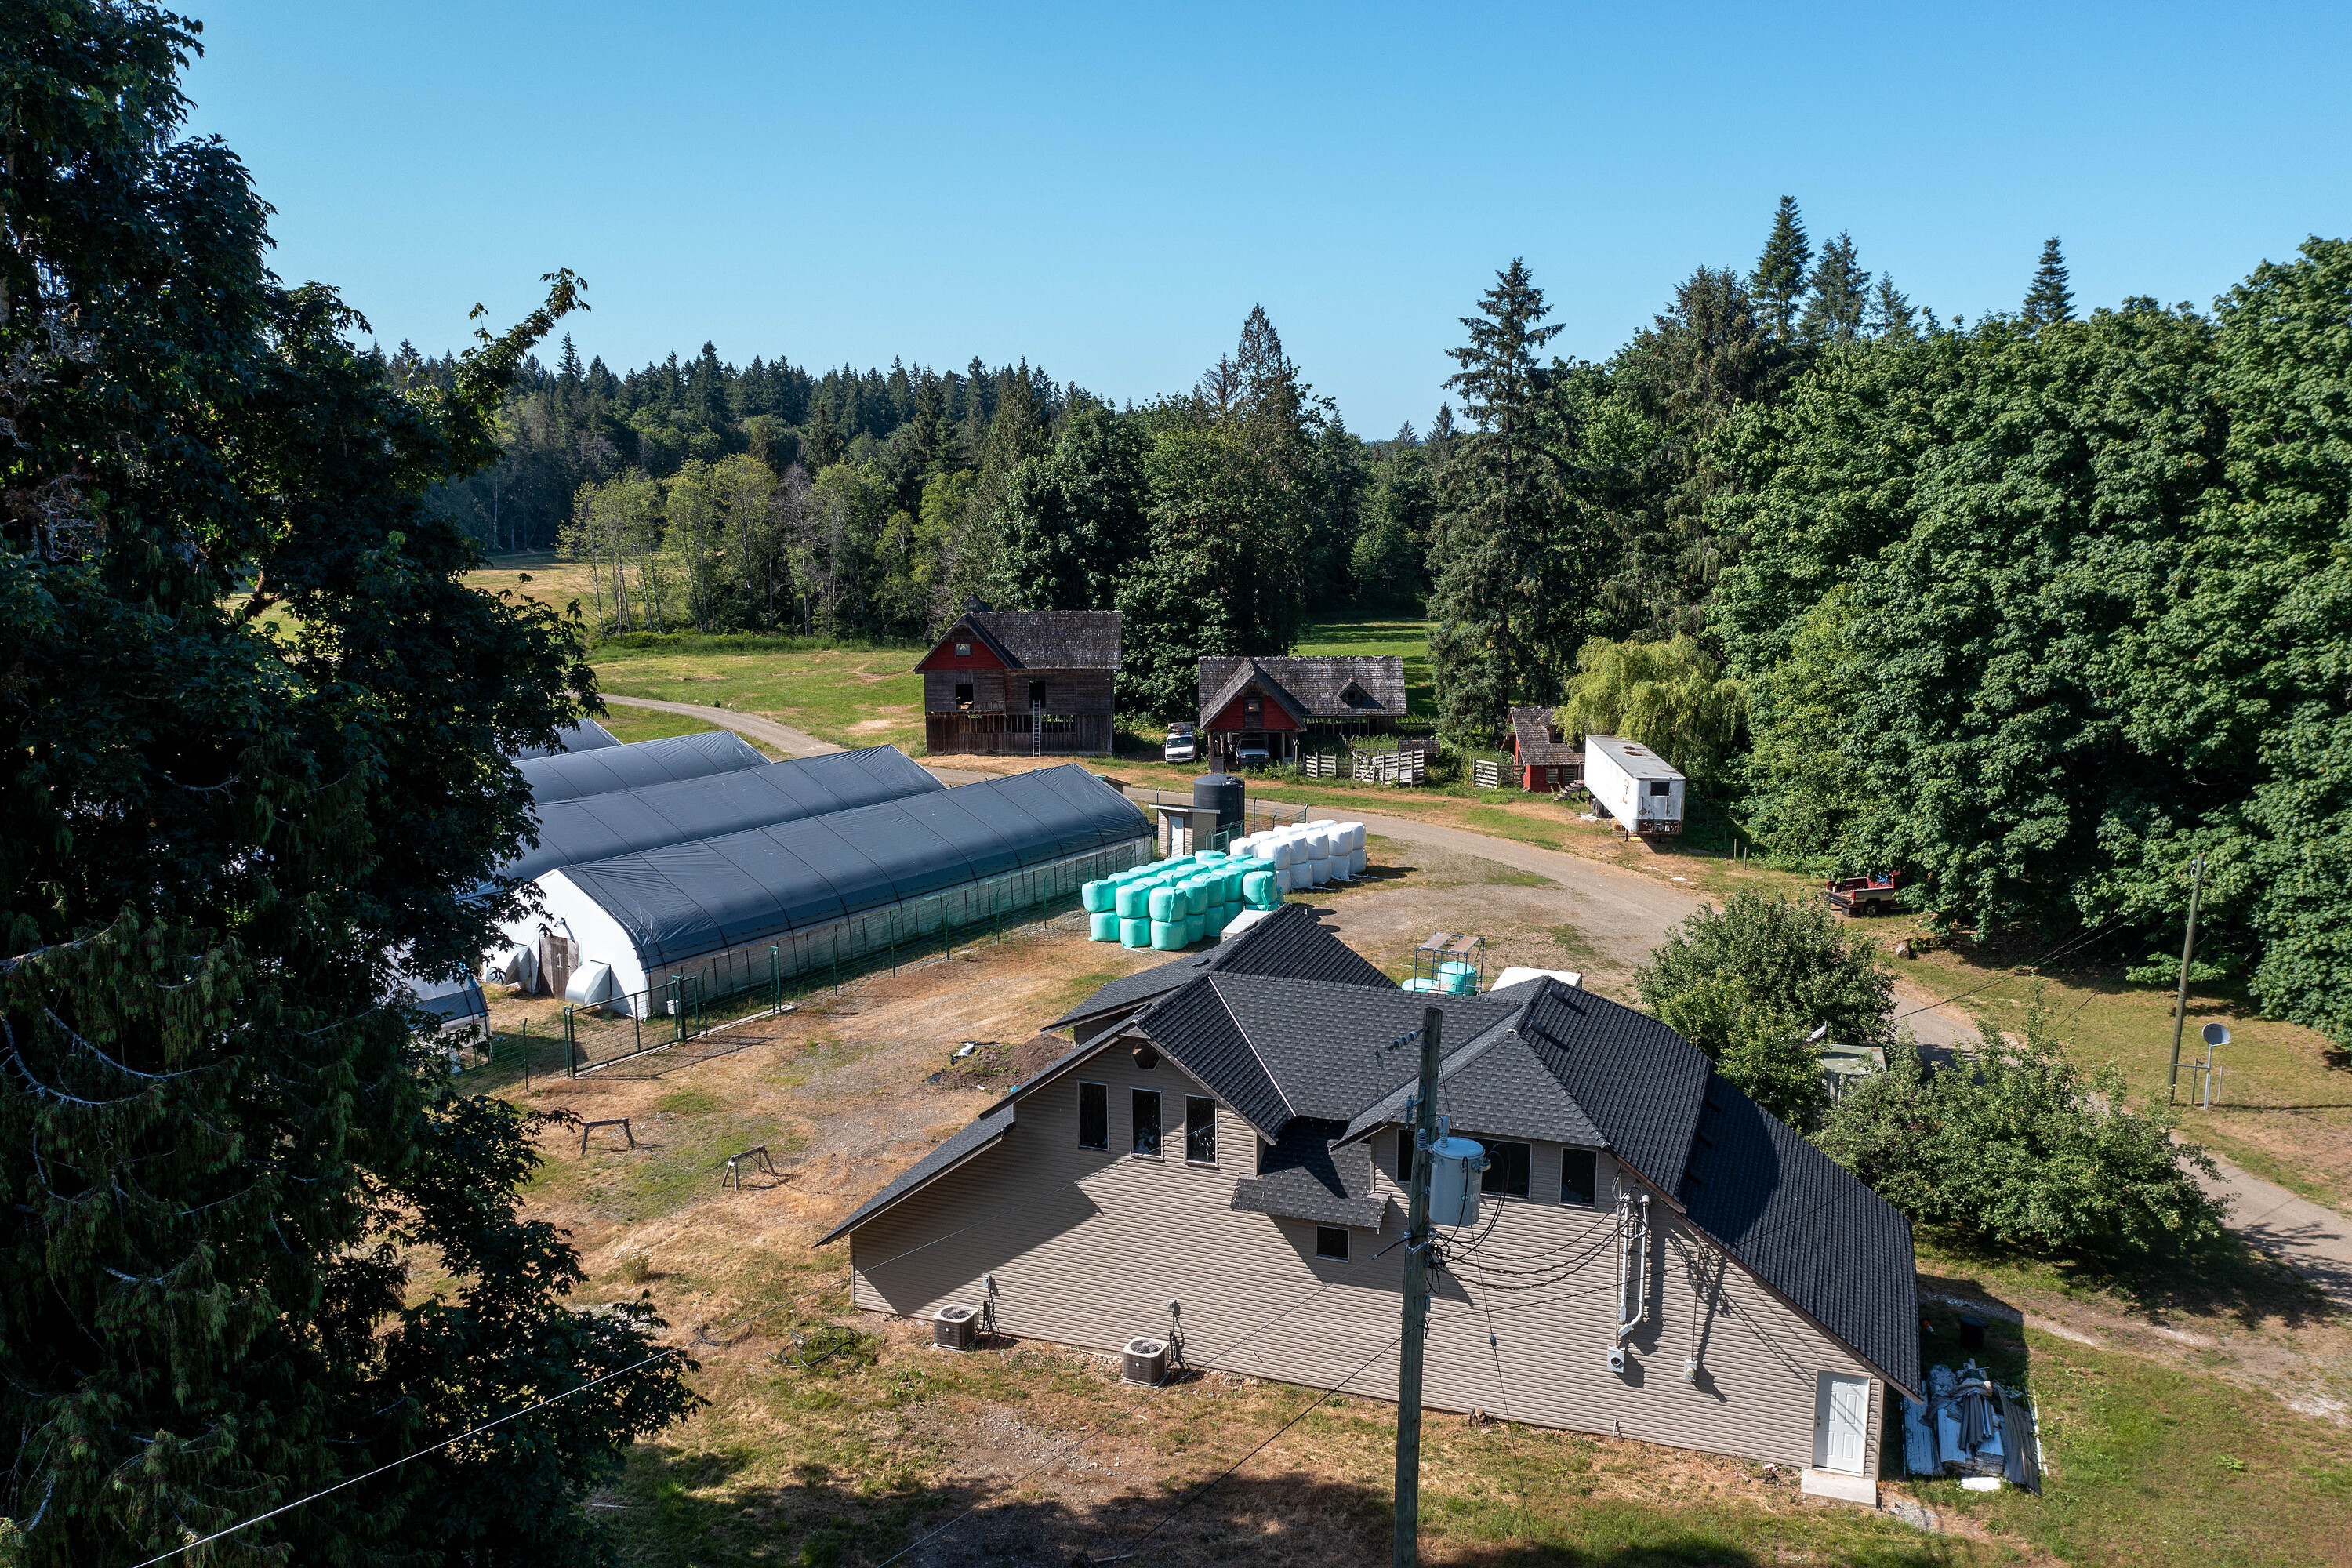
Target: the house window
(1146, 1121)
(1660, 786)
(1331, 1241)
(963, 650)
(1036, 694)
(1200, 1131)
(1506, 1175)
(1402, 1169)
(1094, 1116)
(1579, 1174)
(1253, 712)
(964, 694)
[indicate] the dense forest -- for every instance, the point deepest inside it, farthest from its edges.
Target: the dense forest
(2038, 608)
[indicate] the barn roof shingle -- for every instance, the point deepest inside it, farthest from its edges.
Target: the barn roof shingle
(1049, 639)
(1532, 728)
(1311, 686)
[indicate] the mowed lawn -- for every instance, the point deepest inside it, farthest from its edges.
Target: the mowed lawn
(857, 694)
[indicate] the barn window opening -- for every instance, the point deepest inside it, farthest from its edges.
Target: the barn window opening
(963, 650)
(964, 694)
(1146, 1121)
(1331, 1241)
(1036, 694)
(1579, 1174)
(1506, 1174)
(1094, 1116)
(1200, 1131)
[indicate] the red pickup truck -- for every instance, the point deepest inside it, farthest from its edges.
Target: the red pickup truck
(1863, 895)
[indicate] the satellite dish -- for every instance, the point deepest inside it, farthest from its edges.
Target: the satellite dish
(2216, 1034)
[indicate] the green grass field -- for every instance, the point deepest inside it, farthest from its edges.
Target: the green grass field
(857, 694)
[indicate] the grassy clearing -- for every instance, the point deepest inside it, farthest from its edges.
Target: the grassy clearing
(1409, 640)
(850, 694)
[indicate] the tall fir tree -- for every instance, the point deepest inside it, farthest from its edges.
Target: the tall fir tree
(1495, 554)
(1778, 284)
(1891, 315)
(1837, 295)
(2049, 300)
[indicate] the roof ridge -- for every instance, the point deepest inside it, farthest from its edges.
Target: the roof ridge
(1243, 1030)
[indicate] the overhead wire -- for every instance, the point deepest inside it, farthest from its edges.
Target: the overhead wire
(2107, 930)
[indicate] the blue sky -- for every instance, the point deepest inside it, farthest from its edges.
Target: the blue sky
(1106, 190)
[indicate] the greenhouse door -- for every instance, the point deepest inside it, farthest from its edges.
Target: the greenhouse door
(558, 957)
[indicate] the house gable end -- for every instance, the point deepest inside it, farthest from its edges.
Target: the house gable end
(983, 654)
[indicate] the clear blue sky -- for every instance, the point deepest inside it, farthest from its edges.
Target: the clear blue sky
(1106, 190)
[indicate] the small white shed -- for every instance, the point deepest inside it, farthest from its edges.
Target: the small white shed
(1640, 788)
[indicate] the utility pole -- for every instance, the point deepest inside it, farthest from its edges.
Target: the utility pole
(2180, 996)
(1416, 1300)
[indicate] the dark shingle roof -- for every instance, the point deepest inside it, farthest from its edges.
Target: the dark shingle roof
(1808, 1227)
(1327, 1047)
(1639, 1082)
(1310, 685)
(995, 1124)
(1532, 728)
(1303, 1176)
(1290, 944)
(1050, 639)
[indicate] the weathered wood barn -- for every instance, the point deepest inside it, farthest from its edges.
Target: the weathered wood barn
(1026, 683)
(1546, 762)
(1220, 1163)
(1265, 708)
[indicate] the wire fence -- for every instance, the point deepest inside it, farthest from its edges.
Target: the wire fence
(760, 979)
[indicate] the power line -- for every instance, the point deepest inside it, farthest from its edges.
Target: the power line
(2109, 929)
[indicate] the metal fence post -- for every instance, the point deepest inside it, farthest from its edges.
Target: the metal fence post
(775, 979)
(571, 1058)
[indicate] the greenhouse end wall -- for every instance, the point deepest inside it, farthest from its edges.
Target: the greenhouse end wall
(904, 926)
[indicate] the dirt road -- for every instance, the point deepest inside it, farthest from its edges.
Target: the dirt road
(783, 737)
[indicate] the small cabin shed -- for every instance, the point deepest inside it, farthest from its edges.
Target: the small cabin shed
(1545, 760)
(1638, 788)
(1267, 706)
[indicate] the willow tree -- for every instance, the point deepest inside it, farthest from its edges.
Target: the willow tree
(253, 738)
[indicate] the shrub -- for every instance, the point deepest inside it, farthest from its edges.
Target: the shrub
(2016, 1146)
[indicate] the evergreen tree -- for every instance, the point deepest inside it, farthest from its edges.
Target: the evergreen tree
(1837, 296)
(568, 365)
(2049, 299)
(1073, 518)
(223, 1137)
(1779, 281)
(1497, 555)
(1891, 315)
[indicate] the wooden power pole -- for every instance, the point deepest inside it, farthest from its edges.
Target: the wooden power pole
(1416, 1300)
(2180, 997)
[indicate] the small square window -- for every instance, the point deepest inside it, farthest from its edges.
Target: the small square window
(964, 694)
(1331, 1241)
(1579, 1174)
(1660, 786)
(1094, 1116)
(1506, 1175)
(1200, 1131)
(1401, 1167)
(963, 650)
(1146, 1121)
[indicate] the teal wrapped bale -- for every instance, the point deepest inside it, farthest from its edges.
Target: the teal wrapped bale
(1195, 927)
(1205, 857)
(1230, 890)
(1167, 936)
(1102, 926)
(1130, 902)
(1134, 933)
(1259, 888)
(1233, 913)
(1166, 904)
(1096, 898)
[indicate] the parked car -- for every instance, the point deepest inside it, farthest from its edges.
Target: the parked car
(1182, 746)
(1250, 755)
(1872, 895)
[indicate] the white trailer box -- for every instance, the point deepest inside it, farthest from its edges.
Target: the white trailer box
(1638, 788)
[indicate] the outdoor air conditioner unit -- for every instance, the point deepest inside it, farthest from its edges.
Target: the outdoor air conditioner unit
(955, 1327)
(1145, 1363)
(1617, 1360)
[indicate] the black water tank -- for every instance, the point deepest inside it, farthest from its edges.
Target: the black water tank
(1222, 791)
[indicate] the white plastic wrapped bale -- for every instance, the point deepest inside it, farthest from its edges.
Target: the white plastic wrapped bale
(1358, 856)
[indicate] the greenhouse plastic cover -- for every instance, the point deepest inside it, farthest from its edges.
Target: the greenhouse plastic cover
(599, 827)
(686, 899)
(585, 736)
(604, 769)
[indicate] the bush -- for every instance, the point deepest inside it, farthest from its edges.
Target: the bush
(2017, 1147)
(1748, 981)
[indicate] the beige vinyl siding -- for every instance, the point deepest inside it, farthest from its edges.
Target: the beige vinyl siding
(1086, 1246)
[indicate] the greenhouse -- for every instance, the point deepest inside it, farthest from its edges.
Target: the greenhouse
(566, 775)
(587, 735)
(693, 918)
(618, 822)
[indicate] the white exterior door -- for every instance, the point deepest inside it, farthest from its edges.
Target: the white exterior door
(1841, 1423)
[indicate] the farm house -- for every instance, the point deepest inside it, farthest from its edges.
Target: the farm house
(710, 913)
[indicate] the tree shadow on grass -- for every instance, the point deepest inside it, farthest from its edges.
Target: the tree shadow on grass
(2229, 1279)
(683, 1508)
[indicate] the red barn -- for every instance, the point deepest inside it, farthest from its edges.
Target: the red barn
(1028, 683)
(1277, 702)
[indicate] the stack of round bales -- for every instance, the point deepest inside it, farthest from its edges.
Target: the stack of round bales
(1167, 905)
(1303, 854)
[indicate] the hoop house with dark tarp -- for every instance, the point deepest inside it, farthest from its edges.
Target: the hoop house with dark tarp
(569, 775)
(587, 736)
(625, 821)
(732, 911)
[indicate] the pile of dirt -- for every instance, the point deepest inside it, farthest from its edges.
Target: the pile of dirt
(994, 1064)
